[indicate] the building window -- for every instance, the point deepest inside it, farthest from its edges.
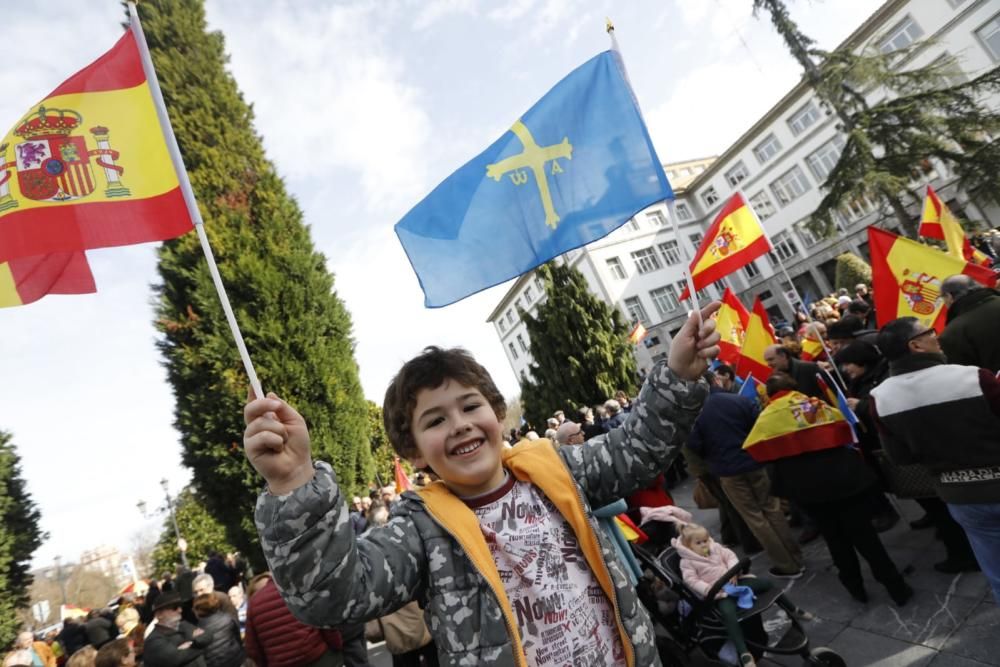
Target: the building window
(520, 341)
(737, 174)
(645, 260)
(905, 32)
(634, 224)
(989, 35)
(858, 208)
(762, 205)
(656, 219)
(518, 306)
(710, 196)
(510, 316)
(696, 240)
(702, 293)
(616, 268)
(528, 296)
(539, 285)
(784, 248)
(803, 119)
(665, 300)
(822, 161)
(949, 68)
(635, 311)
(513, 352)
(790, 186)
(751, 270)
(670, 252)
(809, 239)
(683, 212)
(767, 149)
(502, 325)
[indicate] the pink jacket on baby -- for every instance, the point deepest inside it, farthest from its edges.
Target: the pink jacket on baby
(701, 572)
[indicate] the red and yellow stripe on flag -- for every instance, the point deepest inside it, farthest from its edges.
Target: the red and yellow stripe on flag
(792, 424)
(27, 279)
(733, 241)
(731, 323)
(759, 335)
(938, 222)
(638, 333)
(402, 481)
(907, 277)
(88, 166)
(812, 349)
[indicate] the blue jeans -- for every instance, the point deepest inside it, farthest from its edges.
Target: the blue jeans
(982, 525)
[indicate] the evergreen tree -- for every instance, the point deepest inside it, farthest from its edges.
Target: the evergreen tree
(199, 529)
(382, 452)
(20, 535)
(296, 328)
(851, 270)
(888, 143)
(579, 345)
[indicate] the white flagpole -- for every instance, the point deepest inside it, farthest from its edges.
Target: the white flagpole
(188, 192)
(670, 204)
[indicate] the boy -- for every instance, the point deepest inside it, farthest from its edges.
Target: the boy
(502, 553)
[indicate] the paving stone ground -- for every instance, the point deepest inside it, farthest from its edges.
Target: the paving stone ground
(951, 621)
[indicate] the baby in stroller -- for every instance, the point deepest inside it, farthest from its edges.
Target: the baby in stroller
(703, 562)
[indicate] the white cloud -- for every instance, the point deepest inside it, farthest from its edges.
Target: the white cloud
(430, 13)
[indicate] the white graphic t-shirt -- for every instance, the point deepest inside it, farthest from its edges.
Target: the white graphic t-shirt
(562, 613)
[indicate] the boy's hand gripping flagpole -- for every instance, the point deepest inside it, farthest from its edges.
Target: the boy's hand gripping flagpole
(189, 199)
(671, 205)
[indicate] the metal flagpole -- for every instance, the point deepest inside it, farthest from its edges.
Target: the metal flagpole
(670, 204)
(188, 192)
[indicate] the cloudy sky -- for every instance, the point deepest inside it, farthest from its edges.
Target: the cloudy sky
(364, 107)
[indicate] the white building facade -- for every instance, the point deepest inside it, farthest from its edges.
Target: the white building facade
(779, 165)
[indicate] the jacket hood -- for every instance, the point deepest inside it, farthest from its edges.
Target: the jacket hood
(685, 552)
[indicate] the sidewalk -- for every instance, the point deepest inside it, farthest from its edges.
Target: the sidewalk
(951, 621)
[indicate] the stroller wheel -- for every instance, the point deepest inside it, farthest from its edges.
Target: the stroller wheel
(825, 657)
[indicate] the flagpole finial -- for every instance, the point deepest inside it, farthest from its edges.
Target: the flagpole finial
(609, 26)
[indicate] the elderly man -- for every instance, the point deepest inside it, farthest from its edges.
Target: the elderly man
(570, 433)
(946, 417)
(203, 584)
(40, 652)
(972, 336)
(174, 641)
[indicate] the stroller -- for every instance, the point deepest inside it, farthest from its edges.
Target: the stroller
(692, 622)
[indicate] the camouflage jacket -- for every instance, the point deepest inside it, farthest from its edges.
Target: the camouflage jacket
(432, 549)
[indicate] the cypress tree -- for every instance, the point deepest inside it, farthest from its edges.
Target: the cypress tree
(20, 535)
(296, 328)
(851, 270)
(888, 143)
(579, 345)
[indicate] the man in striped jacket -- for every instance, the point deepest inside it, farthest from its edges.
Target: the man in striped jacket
(946, 417)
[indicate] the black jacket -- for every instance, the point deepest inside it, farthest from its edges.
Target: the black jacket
(100, 631)
(72, 637)
(226, 649)
(161, 647)
(820, 477)
(720, 430)
(972, 336)
(861, 389)
(804, 373)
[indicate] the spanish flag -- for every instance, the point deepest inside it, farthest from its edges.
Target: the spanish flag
(88, 166)
(812, 348)
(402, 481)
(907, 277)
(792, 424)
(731, 322)
(27, 279)
(638, 333)
(938, 222)
(734, 240)
(759, 335)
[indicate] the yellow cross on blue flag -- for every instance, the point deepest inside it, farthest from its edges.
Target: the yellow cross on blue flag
(571, 170)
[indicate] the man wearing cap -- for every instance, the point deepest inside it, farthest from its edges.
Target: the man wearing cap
(174, 641)
(947, 418)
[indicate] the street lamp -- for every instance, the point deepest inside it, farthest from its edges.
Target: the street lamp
(181, 542)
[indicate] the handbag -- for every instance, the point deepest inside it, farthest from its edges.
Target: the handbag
(703, 498)
(911, 480)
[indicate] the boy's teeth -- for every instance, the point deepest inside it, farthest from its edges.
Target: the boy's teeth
(465, 449)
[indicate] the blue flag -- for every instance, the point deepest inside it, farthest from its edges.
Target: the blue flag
(572, 169)
(749, 389)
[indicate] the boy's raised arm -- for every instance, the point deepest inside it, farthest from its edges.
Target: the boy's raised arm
(629, 458)
(327, 577)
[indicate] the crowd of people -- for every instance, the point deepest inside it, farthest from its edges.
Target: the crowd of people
(492, 555)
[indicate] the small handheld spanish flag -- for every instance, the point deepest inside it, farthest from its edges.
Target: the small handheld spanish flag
(402, 481)
(638, 333)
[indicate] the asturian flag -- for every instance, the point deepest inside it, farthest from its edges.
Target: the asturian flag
(573, 168)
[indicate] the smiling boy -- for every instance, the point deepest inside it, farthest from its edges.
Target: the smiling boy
(503, 553)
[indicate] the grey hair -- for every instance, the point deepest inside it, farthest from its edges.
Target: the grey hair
(958, 286)
(202, 579)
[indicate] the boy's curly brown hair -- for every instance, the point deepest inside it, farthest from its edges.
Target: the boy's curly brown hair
(430, 370)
